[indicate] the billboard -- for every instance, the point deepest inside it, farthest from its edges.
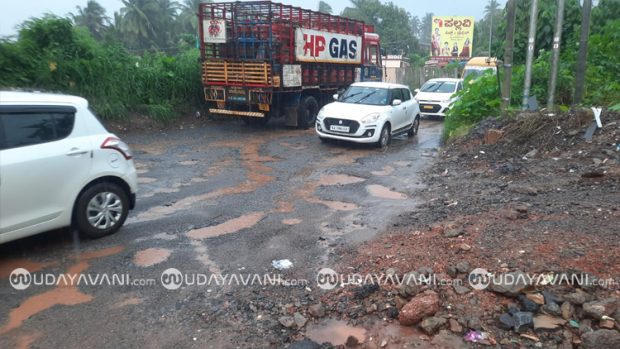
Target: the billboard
(452, 36)
(319, 46)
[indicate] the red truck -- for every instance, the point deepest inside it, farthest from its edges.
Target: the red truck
(262, 59)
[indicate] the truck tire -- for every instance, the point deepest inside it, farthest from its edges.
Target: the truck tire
(306, 114)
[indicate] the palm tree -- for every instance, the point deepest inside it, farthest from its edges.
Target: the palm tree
(92, 17)
(188, 18)
(415, 26)
(164, 23)
(325, 7)
(491, 9)
(426, 28)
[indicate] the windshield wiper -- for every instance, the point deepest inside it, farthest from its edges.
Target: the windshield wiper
(366, 96)
(349, 96)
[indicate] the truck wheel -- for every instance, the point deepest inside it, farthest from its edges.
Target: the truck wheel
(306, 114)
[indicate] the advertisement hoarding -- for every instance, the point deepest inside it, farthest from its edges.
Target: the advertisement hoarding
(452, 36)
(319, 46)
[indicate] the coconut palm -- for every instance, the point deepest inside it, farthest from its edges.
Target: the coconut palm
(325, 7)
(93, 17)
(491, 9)
(188, 18)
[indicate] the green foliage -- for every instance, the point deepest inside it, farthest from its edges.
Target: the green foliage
(603, 69)
(392, 23)
(52, 55)
(544, 28)
(478, 100)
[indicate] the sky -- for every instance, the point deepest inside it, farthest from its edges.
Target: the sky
(15, 12)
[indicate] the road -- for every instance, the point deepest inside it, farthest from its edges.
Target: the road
(219, 198)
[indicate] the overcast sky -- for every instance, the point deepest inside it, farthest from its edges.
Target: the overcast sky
(15, 12)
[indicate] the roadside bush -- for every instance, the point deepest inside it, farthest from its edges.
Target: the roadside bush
(50, 54)
(478, 100)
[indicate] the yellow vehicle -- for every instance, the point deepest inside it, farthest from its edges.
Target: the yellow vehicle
(479, 65)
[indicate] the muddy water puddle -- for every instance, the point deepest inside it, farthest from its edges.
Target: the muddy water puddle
(385, 171)
(231, 226)
(380, 191)
(339, 179)
(335, 332)
(151, 256)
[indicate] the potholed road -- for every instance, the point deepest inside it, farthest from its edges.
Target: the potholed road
(219, 200)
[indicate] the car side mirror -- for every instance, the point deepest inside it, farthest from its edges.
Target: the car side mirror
(336, 96)
(417, 90)
(396, 102)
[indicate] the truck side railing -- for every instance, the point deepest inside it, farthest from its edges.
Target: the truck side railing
(239, 73)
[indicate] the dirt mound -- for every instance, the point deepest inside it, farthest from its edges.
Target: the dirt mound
(527, 195)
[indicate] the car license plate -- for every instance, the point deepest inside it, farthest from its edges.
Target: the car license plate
(338, 128)
(427, 106)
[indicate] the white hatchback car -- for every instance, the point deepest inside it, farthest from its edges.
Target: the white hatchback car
(370, 112)
(60, 167)
(436, 95)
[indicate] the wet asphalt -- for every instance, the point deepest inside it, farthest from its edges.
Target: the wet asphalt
(217, 198)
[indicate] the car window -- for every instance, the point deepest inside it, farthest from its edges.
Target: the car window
(406, 94)
(30, 128)
(459, 87)
(397, 93)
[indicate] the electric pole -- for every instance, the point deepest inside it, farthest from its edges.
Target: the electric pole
(580, 71)
(555, 58)
(530, 55)
(510, 35)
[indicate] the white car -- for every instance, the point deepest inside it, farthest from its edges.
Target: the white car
(60, 167)
(436, 95)
(369, 112)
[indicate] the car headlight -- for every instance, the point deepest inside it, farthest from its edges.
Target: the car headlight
(320, 115)
(370, 118)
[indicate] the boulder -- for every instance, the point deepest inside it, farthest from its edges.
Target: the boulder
(597, 309)
(509, 284)
(430, 325)
(421, 306)
(600, 339)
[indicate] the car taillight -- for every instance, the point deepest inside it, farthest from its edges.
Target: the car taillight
(118, 145)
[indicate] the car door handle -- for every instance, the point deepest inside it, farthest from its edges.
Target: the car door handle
(76, 152)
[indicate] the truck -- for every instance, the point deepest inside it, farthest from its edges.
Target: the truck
(262, 59)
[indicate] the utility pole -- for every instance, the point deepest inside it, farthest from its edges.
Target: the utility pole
(555, 58)
(490, 32)
(580, 71)
(530, 54)
(510, 35)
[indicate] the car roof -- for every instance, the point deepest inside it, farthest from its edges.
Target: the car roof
(378, 84)
(19, 97)
(445, 79)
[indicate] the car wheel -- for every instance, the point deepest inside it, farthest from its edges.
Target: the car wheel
(414, 127)
(101, 210)
(306, 114)
(384, 137)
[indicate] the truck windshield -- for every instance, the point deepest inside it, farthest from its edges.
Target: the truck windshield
(365, 95)
(439, 86)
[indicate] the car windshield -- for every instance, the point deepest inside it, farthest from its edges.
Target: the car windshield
(439, 86)
(365, 95)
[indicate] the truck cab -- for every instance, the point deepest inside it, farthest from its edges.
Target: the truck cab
(371, 59)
